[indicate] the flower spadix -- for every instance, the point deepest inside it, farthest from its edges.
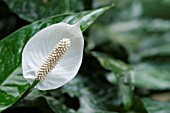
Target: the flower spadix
(53, 55)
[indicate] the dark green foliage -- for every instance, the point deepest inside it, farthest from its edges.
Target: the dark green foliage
(126, 62)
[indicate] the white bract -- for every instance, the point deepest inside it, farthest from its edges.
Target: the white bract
(42, 44)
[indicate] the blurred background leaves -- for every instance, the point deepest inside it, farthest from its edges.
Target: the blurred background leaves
(126, 64)
(31, 10)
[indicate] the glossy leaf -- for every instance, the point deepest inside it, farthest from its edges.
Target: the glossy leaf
(148, 77)
(40, 104)
(11, 48)
(32, 10)
(92, 99)
(40, 97)
(109, 63)
(10, 88)
(154, 106)
(126, 89)
(157, 52)
(124, 76)
(57, 106)
(152, 77)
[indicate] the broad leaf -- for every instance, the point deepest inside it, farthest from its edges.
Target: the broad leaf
(109, 63)
(150, 76)
(32, 10)
(123, 75)
(57, 106)
(159, 52)
(11, 49)
(154, 106)
(91, 94)
(11, 88)
(40, 100)
(40, 104)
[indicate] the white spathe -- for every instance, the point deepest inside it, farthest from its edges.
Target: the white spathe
(40, 46)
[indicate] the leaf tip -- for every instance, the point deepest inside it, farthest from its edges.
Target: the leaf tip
(78, 23)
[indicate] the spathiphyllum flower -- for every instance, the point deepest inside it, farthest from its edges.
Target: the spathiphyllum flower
(53, 55)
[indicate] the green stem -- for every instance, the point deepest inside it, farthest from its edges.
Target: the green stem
(28, 90)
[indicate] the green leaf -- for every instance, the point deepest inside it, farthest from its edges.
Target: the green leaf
(154, 52)
(45, 102)
(154, 106)
(57, 106)
(117, 66)
(32, 10)
(148, 76)
(40, 104)
(138, 106)
(126, 89)
(123, 74)
(152, 76)
(91, 92)
(10, 88)
(11, 49)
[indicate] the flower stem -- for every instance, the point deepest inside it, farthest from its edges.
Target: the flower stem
(28, 90)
